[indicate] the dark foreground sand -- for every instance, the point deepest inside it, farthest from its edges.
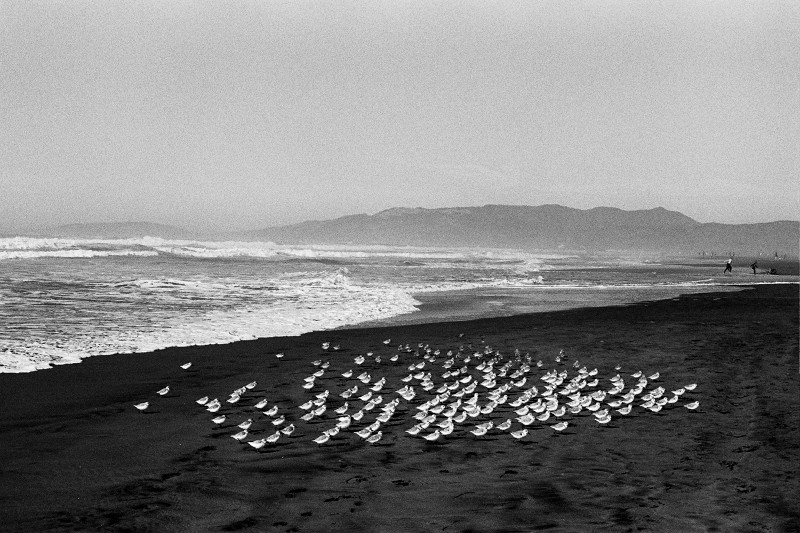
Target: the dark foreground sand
(75, 454)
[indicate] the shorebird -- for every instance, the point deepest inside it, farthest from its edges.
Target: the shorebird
(415, 429)
(364, 433)
(240, 436)
(432, 436)
(219, 419)
(322, 439)
(261, 404)
(690, 386)
(372, 439)
(275, 436)
(251, 385)
(202, 401)
(342, 410)
(288, 430)
(561, 426)
(272, 412)
(519, 434)
(163, 391)
(347, 374)
(257, 444)
(479, 431)
(625, 410)
(692, 406)
(213, 406)
(279, 355)
(246, 424)
(186, 366)
(142, 406)
(278, 421)
(387, 341)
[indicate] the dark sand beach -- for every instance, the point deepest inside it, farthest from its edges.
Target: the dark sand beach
(75, 455)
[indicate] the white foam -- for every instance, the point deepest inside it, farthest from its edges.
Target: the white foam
(32, 247)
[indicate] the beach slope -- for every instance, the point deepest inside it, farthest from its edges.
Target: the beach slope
(75, 455)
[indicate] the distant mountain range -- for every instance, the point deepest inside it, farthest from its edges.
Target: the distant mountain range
(544, 227)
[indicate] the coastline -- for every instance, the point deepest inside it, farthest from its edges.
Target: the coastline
(75, 455)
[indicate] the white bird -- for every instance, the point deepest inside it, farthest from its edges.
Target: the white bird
(692, 406)
(603, 420)
(387, 341)
(306, 406)
(278, 421)
(142, 406)
(519, 434)
(163, 391)
(251, 385)
(246, 424)
(240, 436)
(347, 374)
(322, 439)
(625, 410)
(261, 404)
(288, 430)
(479, 431)
(203, 400)
(213, 407)
(561, 426)
(364, 433)
(342, 410)
(257, 444)
(186, 366)
(372, 439)
(358, 415)
(654, 376)
(272, 412)
(690, 386)
(274, 437)
(432, 436)
(219, 419)
(279, 355)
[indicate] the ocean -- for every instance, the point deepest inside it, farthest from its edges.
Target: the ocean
(62, 300)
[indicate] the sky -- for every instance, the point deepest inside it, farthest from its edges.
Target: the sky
(239, 115)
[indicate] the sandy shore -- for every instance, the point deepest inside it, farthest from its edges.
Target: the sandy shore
(76, 455)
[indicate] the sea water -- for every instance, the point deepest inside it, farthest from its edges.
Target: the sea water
(62, 300)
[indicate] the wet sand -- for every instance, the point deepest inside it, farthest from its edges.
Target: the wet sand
(75, 455)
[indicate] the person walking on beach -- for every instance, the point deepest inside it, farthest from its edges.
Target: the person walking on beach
(728, 267)
(754, 266)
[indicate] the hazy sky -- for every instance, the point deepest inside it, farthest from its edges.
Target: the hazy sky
(228, 115)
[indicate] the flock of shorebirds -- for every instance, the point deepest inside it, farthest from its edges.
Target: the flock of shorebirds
(482, 392)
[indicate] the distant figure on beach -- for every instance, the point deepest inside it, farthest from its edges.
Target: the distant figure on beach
(754, 266)
(728, 267)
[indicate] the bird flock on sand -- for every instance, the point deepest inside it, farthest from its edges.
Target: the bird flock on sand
(481, 392)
